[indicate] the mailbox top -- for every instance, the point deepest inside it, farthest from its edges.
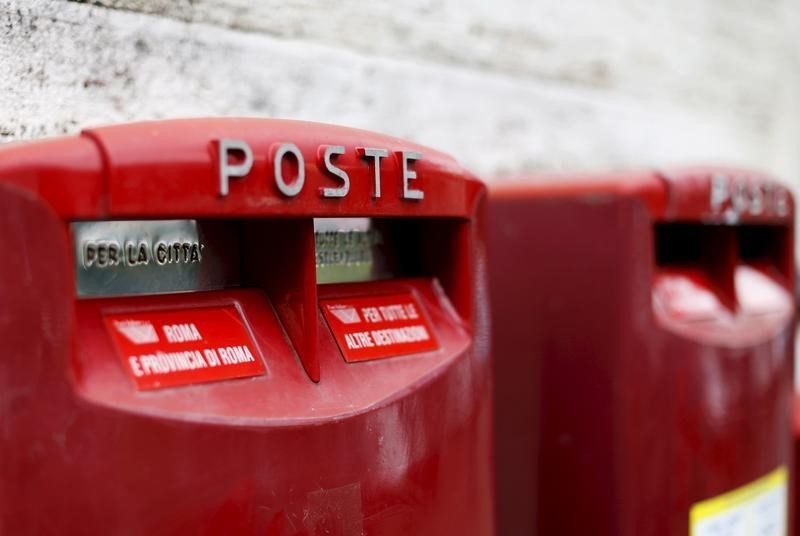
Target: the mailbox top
(718, 195)
(238, 167)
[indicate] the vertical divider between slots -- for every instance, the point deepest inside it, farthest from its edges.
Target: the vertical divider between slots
(280, 260)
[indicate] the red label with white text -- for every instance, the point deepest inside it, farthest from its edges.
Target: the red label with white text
(374, 327)
(183, 347)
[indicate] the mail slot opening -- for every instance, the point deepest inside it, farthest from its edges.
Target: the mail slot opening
(714, 246)
(680, 244)
(370, 249)
(702, 269)
(348, 250)
(766, 246)
(380, 280)
(700, 260)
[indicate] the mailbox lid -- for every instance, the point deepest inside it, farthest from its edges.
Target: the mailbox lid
(707, 194)
(66, 173)
(172, 168)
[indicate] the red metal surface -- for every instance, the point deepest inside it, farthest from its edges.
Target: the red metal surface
(795, 475)
(635, 379)
(704, 194)
(316, 445)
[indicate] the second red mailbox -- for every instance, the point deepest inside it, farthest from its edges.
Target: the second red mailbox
(241, 326)
(643, 354)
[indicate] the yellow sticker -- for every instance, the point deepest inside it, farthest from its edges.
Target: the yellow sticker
(758, 508)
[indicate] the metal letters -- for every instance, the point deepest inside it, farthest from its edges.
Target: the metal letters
(116, 258)
(734, 196)
(227, 170)
(329, 151)
(230, 149)
(295, 188)
(377, 154)
(408, 175)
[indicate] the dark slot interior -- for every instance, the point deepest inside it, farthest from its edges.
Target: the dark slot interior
(419, 247)
(763, 243)
(717, 248)
(679, 244)
(429, 247)
(405, 241)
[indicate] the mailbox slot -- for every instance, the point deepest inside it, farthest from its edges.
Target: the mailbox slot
(766, 245)
(286, 259)
(729, 284)
(371, 273)
(401, 248)
(280, 257)
(679, 244)
(708, 246)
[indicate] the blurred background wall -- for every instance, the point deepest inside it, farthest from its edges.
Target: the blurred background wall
(506, 86)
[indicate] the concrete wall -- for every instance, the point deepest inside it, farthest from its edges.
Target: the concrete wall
(506, 86)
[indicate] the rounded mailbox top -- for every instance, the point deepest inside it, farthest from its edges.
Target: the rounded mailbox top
(719, 195)
(241, 167)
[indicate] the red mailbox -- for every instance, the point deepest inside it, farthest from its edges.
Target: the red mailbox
(643, 342)
(242, 326)
(795, 482)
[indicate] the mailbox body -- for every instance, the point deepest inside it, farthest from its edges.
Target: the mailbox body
(796, 452)
(311, 444)
(642, 338)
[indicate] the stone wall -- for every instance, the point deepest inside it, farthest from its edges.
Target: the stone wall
(507, 86)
